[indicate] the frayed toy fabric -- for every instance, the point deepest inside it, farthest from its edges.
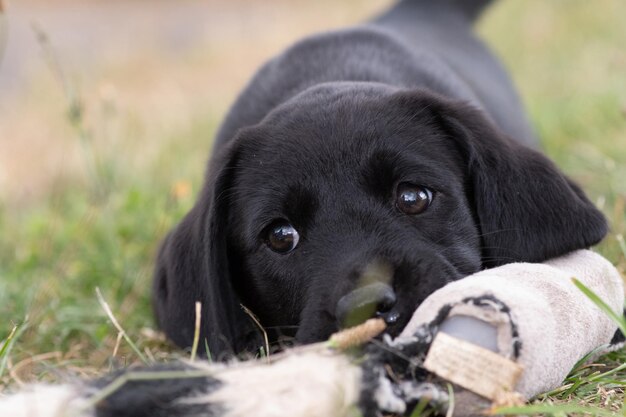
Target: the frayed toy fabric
(540, 321)
(543, 321)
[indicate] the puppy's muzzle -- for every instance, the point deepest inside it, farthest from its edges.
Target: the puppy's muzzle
(373, 300)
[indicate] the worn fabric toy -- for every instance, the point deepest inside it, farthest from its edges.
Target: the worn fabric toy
(531, 314)
(502, 334)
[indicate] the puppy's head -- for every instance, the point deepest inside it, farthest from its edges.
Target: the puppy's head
(358, 198)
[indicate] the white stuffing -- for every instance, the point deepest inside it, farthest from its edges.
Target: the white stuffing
(307, 384)
(46, 401)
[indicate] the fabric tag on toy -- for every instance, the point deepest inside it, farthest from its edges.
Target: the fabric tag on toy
(472, 367)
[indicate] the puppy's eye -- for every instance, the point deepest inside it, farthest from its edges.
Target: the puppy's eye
(281, 237)
(413, 199)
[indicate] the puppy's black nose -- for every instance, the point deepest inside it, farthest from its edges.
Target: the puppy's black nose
(373, 300)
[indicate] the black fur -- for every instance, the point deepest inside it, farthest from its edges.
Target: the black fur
(166, 391)
(321, 137)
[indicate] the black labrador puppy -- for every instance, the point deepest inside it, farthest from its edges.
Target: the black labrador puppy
(361, 170)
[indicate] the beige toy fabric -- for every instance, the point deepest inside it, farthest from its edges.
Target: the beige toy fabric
(543, 321)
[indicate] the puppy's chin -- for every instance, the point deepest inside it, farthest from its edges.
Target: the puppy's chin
(316, 326)
(320, 327)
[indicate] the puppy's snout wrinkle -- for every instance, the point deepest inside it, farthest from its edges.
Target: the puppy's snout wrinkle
(372, 300)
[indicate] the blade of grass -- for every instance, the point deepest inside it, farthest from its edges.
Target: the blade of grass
(5, 344)
(553, 409)
(196, 333)
(622, 244)
(258, 323)
(557, 391)
(107, 309)
(420, 408)
(8, 344)
(573, 388)
(75, 111)
(583, 361)
(208, 351)
(618, 319)
(597, 377)
(451, 401)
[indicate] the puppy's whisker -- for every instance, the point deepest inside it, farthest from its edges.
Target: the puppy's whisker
(290, 326)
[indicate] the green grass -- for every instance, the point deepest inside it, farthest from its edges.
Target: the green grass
(102, 229)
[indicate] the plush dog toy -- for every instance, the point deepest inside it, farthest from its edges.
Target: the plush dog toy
(500, 335)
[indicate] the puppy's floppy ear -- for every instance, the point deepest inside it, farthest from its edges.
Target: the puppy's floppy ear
(527, 209)
(193, 266)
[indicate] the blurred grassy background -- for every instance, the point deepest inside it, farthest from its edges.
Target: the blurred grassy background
(106, 123)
